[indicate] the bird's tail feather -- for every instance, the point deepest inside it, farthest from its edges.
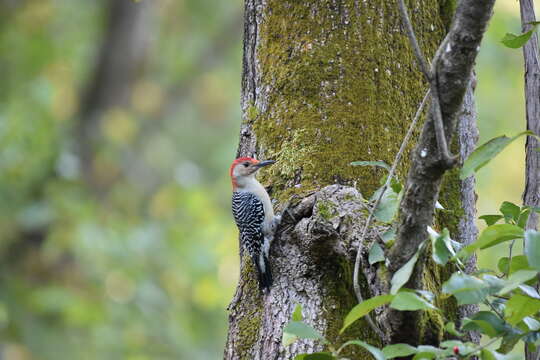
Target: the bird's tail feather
(264, 272)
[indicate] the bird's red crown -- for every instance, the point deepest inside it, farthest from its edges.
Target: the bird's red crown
(241, 160)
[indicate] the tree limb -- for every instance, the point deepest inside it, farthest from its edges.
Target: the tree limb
(452, 68)
(442, 144)
(452, 71)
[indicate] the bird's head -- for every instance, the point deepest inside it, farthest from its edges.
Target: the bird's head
(243, 169)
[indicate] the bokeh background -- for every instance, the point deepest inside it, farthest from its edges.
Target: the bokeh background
(118, 120)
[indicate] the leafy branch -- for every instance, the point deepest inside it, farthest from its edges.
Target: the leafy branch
(508, 292)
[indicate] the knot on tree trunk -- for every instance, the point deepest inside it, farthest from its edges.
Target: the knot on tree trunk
(312, 260)
(338, 212)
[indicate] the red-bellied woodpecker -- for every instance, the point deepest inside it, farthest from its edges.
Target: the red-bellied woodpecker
(254, 215)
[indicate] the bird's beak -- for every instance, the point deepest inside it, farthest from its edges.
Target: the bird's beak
(264, 163)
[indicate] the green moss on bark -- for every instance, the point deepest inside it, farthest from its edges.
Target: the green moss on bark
(249, 324)
(338, 301)
(448, 8)
(336, 85)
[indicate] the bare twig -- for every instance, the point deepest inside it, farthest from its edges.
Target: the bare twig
(510, 258)
(414, 42)
(370, 217)
(431, 76)
(448, 158)
(479, 348)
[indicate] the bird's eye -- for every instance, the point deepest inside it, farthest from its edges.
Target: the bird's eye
(246, 164)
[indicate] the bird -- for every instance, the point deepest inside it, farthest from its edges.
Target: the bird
(254, 215)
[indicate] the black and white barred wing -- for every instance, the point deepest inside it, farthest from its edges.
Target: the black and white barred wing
(248, 212)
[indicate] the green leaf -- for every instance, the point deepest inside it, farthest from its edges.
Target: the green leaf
(510, 211)
(315, 356)
(466, 289)
(398, 350)
(493, 283)
(532, 248)
(450, 328)
(409, 301)
(531, 323)
(485, 152)
(442, 250)
(363, 308)
(488, 354)
(493, 235)
(520, 306)
(288, 339)
(464, 348)
(486, 322)
(491, 219)
(401, 276)
(376, 254)
(529, 291)
(516, 279)
(518, 262)
(426, 352)
(371, 163)
(389, 235)
(387, 208)
(524, 217)
(509, 340)
(377, 353)
(301, 330)
(514, 41)
(396, 185)
(297, 314)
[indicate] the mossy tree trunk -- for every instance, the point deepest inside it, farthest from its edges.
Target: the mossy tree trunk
(325, 83)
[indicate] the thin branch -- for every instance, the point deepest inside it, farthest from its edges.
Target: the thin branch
(479, 348)
(510, 258)
(395, 164)
(431, 76)
(414, 42)
(448, 159)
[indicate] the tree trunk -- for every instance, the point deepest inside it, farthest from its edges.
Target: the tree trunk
(531, 194)
(326, 83)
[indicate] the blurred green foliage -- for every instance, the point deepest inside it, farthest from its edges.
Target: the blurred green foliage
(146, 270)
(145, 267)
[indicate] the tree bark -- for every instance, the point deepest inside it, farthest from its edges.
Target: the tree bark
(450, 77)
(326, 83)
(531, 194)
